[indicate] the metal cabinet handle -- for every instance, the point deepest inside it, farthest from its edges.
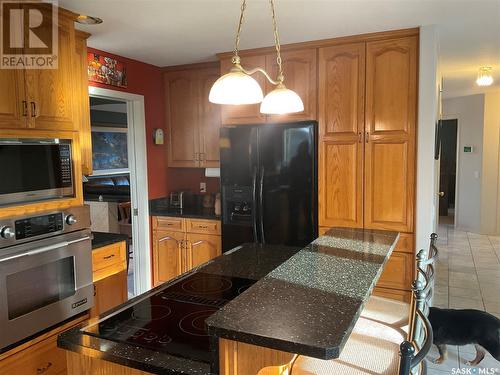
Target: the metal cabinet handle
(109, 256)
(360, 136)
(203, 226)
(25, 108)
(33, 109)
(367, 137)
(41, 370)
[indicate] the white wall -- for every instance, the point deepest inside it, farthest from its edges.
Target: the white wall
(469, 110)
(489, 182)
(428, 108)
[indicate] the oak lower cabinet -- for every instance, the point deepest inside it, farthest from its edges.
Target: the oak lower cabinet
(181, 244)
(193, 122)
(109, 266)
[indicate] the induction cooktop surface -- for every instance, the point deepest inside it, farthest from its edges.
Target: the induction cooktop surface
(173, 319)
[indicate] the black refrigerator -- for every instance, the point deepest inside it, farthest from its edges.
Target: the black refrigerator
(269, 184)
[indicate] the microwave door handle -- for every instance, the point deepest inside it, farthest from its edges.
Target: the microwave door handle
(45, 249)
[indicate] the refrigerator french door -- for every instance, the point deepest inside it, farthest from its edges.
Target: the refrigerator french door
(268, 183)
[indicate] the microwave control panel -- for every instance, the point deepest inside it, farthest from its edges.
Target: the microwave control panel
(35, 226)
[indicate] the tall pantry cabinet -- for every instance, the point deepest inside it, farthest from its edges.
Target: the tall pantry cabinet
(367, 134)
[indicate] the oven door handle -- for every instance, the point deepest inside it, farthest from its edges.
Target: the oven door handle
(45, 249)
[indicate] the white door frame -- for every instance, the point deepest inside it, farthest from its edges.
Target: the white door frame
(138, 182)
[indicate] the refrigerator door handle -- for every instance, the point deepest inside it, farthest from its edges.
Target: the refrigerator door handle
(254, 212)
(261, 205)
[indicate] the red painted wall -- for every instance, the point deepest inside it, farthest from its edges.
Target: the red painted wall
(145, 79)
(190, 178)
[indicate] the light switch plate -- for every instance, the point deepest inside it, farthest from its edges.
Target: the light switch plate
(203, 187)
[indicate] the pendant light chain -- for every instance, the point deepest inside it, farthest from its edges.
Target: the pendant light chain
(236, 57)
(280, 77)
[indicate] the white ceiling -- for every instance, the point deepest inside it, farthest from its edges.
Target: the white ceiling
(168, 32)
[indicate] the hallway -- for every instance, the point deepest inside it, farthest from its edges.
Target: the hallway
(468, 277)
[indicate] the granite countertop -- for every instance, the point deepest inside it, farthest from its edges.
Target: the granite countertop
(100, 239)
(309, 304)
(161, 207)
(250, 261)
(305, 301)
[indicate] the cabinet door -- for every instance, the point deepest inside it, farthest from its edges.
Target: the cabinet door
(167, 255)
(341, 126)
(51, 91)
(13, 104)
(299, 68)
(109, 293)
(244, 114)
(82, 105)
(181, 95)
(202, 248)
(209, 120)
(391, 98)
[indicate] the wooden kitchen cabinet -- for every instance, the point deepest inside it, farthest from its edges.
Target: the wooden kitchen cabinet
(82, 105)
(13, 104)
(202, 248)
(168, 257)
(250, 113)
(109, 274)
(187, 243)
(300, 70)
(391, 99)
(341, 126)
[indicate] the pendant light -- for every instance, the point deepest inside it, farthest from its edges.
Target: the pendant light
(238, 87)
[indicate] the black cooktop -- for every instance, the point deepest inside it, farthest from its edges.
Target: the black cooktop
(173, 320)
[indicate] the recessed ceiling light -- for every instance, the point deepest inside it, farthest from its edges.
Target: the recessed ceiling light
(88, 20)
(484, 77)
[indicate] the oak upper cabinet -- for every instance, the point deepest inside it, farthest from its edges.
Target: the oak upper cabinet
(210, 120)
(193, 122)
(50, 92)
(300, 70)
(391, 98)
(341, 126)
(168, 255)
(244, 114)
(202, 248)
(13, 104)
(82, 105)
(181, 98)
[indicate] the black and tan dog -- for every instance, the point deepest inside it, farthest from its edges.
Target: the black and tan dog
(462, 327)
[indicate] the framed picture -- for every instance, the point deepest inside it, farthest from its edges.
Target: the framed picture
(109, 151)
(103, 69)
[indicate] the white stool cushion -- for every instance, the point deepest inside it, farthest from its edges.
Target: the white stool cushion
(388, 311)
(372, 348)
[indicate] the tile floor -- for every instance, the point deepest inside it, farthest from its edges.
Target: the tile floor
(467, 276)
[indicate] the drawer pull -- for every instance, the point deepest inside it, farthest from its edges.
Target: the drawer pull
(203, 226)
(41, 370)
(108, 257)
(170, 224)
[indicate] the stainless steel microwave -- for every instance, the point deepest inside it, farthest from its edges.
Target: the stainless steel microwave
(35, 170)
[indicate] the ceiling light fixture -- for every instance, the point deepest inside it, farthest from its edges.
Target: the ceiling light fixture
(484, 77)
(238, 87)
(88, 20)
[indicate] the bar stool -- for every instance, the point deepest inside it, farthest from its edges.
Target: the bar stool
(376, 348)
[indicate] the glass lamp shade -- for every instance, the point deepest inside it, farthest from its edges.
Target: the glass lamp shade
(235, 88)
(281, 101)
(484, 80)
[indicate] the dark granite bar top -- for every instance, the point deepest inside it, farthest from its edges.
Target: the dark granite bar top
(309, 304)
(161, 207)
(250, 261)
(100, 239)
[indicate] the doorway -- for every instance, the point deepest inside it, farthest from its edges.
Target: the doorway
(127, 116)
(448, 171)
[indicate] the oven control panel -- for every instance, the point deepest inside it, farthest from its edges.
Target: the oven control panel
(16, 230)
(35, 226)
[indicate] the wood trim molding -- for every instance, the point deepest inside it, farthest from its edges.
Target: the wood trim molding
(82, 34)
(368, 37)
(202, 65)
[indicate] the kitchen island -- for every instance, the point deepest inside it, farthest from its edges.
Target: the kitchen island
(252, 307)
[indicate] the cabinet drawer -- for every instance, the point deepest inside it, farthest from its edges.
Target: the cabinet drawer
(398, 272)
(202, 226)
(170, 223)
(398, 295)
(108, 260)
(42, 358)
(405, 243)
